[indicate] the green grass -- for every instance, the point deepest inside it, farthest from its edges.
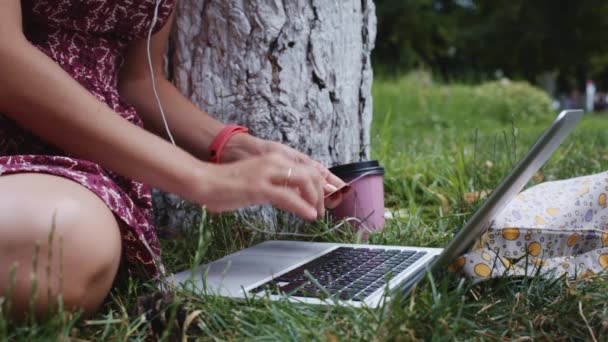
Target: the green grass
(436, 142)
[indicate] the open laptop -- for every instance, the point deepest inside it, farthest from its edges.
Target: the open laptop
(361, 275)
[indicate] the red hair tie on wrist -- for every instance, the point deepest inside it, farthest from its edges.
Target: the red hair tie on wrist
(220, 140)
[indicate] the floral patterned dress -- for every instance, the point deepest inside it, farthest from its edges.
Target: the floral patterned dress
(89, 40)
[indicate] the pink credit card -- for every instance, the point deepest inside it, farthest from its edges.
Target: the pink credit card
(347, 185)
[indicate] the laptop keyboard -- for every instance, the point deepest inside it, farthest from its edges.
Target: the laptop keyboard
(347, 273)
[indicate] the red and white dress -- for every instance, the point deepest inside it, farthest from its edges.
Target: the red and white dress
(89, 40)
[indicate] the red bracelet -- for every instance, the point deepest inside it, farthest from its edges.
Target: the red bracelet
(222, 138)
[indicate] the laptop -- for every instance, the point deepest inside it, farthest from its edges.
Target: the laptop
(359, 274)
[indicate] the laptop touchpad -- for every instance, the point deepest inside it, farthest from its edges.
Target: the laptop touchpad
(241, 270)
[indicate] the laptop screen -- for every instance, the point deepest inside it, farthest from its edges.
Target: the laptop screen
(510, 186)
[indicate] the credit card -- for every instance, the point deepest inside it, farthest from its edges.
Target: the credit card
(346, 186)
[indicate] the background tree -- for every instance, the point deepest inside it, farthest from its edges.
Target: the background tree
(526, 38)
(474, 38)
(412, 34)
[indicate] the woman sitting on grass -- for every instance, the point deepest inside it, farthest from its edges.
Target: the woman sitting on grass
(75, 94)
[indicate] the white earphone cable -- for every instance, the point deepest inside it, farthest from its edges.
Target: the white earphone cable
(152, 76)
(249, 225)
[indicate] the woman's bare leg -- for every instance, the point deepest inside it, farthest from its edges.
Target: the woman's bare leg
(90, 243)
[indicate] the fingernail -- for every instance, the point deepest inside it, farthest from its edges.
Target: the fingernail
(329, 187)
(313, 214)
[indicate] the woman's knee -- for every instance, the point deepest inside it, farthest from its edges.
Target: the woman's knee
(68, 235)
(89, 235)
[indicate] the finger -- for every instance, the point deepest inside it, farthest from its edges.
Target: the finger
(306, 181)
(334, 180)
(329, 177)
(280, 171)
(328, 181)
(329, 188)
(288, 200)
(347, 191)
(334, 200)
(320, 202)
(320, 186)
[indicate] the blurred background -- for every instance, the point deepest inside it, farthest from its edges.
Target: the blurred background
(557, 45)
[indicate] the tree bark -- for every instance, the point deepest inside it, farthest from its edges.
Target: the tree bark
(298, 72)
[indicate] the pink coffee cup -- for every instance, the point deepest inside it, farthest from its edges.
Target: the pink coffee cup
(366, 199)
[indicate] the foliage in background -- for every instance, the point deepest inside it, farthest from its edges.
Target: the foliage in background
(511, 102)
(418, 102)
(411, 34)
(474, 39)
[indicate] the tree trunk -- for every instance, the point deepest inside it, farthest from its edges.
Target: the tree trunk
(298, 72)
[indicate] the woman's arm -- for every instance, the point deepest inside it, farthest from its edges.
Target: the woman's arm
(192, 128)
(41, 97)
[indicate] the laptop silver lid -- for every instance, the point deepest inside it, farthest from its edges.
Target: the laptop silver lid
(511, 185)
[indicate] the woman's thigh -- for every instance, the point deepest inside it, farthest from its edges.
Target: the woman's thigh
(61, 232)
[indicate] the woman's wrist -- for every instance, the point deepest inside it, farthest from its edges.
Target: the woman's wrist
(195, 181)
(241, 146)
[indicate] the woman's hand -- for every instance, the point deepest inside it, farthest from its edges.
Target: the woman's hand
(244, 145)
(332, 182)
(270, 178)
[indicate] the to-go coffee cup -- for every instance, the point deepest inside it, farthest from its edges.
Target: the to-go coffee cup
(366, 199)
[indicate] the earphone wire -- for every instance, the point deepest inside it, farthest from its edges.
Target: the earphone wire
(152, 75)
(360, 223)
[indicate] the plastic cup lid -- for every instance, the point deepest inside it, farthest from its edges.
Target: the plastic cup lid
(346, 171)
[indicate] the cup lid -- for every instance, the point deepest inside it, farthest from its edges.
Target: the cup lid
(346, 171)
